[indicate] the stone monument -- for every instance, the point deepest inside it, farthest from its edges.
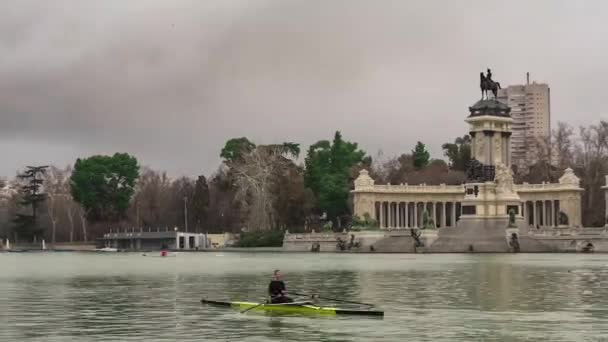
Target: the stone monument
(489, 191)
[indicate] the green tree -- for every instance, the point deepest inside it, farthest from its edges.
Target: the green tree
(327, 174)
(290, 148)
(200, 203)
(459, 152)
(234, 149)
(421, 156)
(103, 185)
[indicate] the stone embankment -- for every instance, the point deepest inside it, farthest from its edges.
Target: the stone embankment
(454, 240)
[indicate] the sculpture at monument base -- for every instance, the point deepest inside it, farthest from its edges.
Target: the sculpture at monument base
(504, 180)
(512, 215)
(427, 221)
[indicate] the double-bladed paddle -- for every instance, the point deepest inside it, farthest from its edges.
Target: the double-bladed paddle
(253, 307)
(332, 299)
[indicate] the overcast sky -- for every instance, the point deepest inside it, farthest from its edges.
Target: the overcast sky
(171, 81)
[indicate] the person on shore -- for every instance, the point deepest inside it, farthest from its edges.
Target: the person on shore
(277, 290)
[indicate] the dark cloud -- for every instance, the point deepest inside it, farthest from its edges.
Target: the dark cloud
(170, 81)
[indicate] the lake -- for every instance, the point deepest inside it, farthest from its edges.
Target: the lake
(439, 297)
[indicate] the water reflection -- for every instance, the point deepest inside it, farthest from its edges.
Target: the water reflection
(54, 297)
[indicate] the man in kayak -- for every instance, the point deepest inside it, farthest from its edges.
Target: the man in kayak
(277, 290)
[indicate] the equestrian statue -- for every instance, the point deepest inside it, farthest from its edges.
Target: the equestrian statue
(486, 83)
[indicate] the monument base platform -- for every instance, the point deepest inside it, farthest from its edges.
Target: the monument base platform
(475, 234)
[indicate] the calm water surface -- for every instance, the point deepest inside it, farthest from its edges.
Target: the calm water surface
(128, 297)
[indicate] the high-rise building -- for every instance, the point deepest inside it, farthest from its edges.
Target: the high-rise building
(531, 111)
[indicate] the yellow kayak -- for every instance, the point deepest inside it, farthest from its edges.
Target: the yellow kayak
(305, 308)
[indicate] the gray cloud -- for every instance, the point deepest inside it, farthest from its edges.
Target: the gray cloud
(170, 81)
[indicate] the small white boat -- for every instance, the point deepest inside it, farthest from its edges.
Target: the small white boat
(108, 249)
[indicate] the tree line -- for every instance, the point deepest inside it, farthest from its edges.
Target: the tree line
(265, 188)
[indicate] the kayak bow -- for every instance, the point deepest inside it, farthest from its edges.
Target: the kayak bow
(292, 308)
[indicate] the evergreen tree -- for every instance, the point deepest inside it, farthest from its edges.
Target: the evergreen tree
(328, 167)
(421, 156)
(26, 224)
(234, 149)
(459, 152)
(200, 203)
(104, 185)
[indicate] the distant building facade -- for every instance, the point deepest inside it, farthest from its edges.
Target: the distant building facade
(401, 206)
(531, 112)
(138, 239)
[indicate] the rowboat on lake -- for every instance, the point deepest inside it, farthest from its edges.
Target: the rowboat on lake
(304, 308)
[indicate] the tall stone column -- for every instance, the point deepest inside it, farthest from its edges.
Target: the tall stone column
(416, 215)
(401, 214)
(556, 213)
(550, 213)
(453, 221)
(391, 217)
(509, 150)
(443, 213)
(536, 215)
(489, 158)
(434, 214)
(381, 214)
(547, 214)
(406, 215)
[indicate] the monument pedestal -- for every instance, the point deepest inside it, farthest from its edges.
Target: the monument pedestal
(491, 209)
(484, 225)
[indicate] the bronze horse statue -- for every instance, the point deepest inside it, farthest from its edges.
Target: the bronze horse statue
(486, 84)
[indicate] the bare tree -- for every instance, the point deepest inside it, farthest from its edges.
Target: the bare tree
(149, 204)
(254, 180)
(56, 186)
(82, 214)
(71, 209)
(592, 164)
(563, 145)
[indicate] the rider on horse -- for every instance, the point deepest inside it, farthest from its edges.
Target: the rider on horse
(486, 83)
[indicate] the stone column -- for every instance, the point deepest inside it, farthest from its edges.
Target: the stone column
(391, 217)
(387, 213)
(550, 213)
(453, 222)
(434, 214)
(547, 214)
(381, 214)
(393, 214)
(396, 223)
(537, 213)
(416, 215)
(533, 212)
(443, 213)
(396, 217)
(406, 223)
(401, 215)
(489, 148)
(509, 151)
(556, 212)
(397, 214)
